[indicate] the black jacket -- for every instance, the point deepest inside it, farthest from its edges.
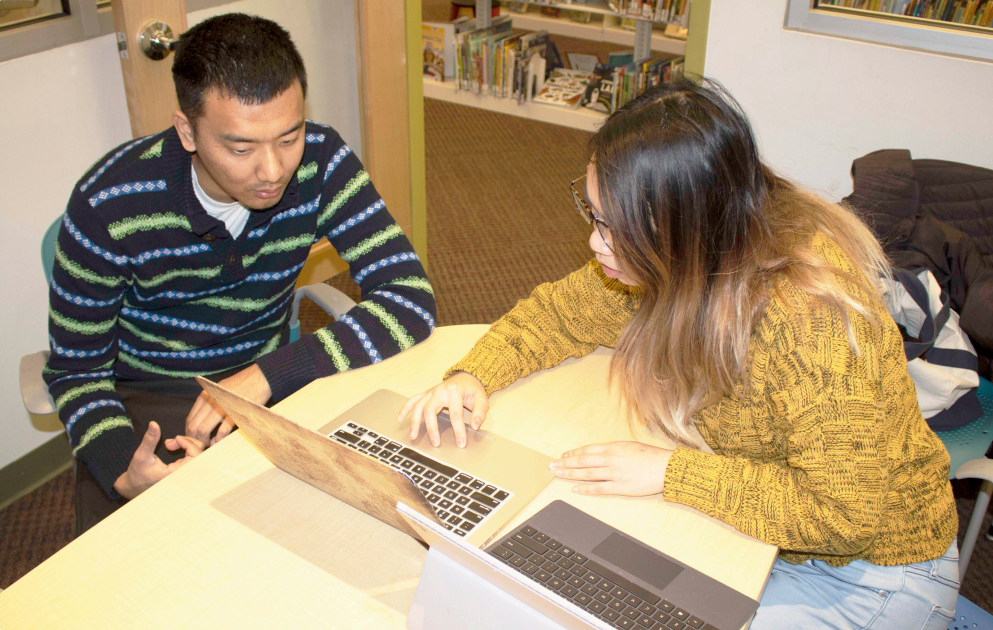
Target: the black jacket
(936, 215)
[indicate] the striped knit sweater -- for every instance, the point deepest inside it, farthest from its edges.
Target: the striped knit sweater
(148, 286)
(826, 456)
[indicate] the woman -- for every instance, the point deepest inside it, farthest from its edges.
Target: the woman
(745, 318)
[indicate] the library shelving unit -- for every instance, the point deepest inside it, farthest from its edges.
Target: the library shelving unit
(644, 40)
(579, 118)
(605, 29)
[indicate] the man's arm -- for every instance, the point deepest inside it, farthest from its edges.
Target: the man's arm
(398, 308)
(88, 284)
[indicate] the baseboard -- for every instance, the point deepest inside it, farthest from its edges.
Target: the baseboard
(21, 476)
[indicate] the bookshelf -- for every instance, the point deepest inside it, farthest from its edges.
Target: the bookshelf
(580, 118)
(644, 41)
(607, 30)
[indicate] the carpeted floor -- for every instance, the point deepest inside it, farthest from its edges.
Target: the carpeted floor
(500, 221)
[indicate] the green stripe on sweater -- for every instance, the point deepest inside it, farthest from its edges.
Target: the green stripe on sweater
(271, 345)
(100, 368)
(372, 243)
(138, 364)
(88, 388)
(240, 304)
(306, 172)
(76, 271)
(353, 186)
(333, 348)
(414, 283)
(153, 151)
(172, 344)
(206, 273)
(280, 246)
(83, 328)
(102, 427)
(145, 222)
(397, 331)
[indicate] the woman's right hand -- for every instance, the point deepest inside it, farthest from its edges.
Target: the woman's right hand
(460, 390)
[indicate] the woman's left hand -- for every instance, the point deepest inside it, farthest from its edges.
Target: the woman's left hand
(627, 468)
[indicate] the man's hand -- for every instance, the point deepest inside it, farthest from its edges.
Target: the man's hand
(206, 414)
(146, 468)
(627, 468)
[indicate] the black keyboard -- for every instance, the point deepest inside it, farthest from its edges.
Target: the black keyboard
(590, 585)
(461, 501)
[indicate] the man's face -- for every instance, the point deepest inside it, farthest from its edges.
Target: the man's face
(246, 153)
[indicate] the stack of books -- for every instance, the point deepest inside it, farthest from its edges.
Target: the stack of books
(669, 11)
(493, 61)
(611, 87)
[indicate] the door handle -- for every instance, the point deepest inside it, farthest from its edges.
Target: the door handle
(157, 40)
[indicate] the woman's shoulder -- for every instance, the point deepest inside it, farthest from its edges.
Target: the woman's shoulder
(813, 311)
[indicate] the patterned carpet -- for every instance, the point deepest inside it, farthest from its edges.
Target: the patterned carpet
(500, 221)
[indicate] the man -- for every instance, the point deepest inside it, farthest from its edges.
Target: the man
(178, 256)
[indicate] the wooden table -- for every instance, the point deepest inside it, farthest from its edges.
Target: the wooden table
(229, 541)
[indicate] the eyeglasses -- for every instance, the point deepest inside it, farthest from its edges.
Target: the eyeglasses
(587, 213)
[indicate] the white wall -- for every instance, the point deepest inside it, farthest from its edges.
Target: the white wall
(819, 102)
(62, 110)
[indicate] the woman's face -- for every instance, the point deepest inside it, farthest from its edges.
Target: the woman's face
(611, 265)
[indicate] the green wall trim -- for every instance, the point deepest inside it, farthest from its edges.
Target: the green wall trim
(415, 109)
(696, 40)
(23, 475)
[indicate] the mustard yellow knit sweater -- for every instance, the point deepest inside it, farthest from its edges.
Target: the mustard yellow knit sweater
(827, 456)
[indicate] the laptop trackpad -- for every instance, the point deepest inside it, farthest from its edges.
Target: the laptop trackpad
(447, 433)
(638, 560)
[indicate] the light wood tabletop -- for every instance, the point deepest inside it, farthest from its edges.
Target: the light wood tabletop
(229, 541)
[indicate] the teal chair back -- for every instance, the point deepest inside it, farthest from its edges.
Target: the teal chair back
(48, 248)
(971, 441)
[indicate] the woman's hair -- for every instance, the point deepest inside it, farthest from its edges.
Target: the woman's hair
(706, 231)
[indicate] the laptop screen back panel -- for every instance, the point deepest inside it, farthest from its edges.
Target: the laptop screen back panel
(502, 578)
(356, 479)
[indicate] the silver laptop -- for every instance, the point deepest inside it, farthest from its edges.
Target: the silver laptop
(563, 568)
(364, 458)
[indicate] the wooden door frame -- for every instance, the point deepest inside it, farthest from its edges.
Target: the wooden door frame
(391, 118)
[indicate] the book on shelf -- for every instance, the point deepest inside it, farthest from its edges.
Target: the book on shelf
(469, 51)
(494, 62)
(563, 87)
(437, 39)
(600, 91)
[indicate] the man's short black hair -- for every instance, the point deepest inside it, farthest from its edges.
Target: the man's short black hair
(242, 56)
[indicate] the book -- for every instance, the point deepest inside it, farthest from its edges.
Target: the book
(564, 87)
(469, 50)
(600, 91)
(529, 45)
(435, 55)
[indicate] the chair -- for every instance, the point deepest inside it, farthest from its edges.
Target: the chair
(967, 447)
(969, 616)
(34, 390)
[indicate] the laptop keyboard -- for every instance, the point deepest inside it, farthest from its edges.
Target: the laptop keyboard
(461, 501)
(591, 586)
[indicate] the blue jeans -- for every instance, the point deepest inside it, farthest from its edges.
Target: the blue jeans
(861, 595)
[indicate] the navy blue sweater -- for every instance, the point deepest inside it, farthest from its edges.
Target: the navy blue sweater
(147, 285)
